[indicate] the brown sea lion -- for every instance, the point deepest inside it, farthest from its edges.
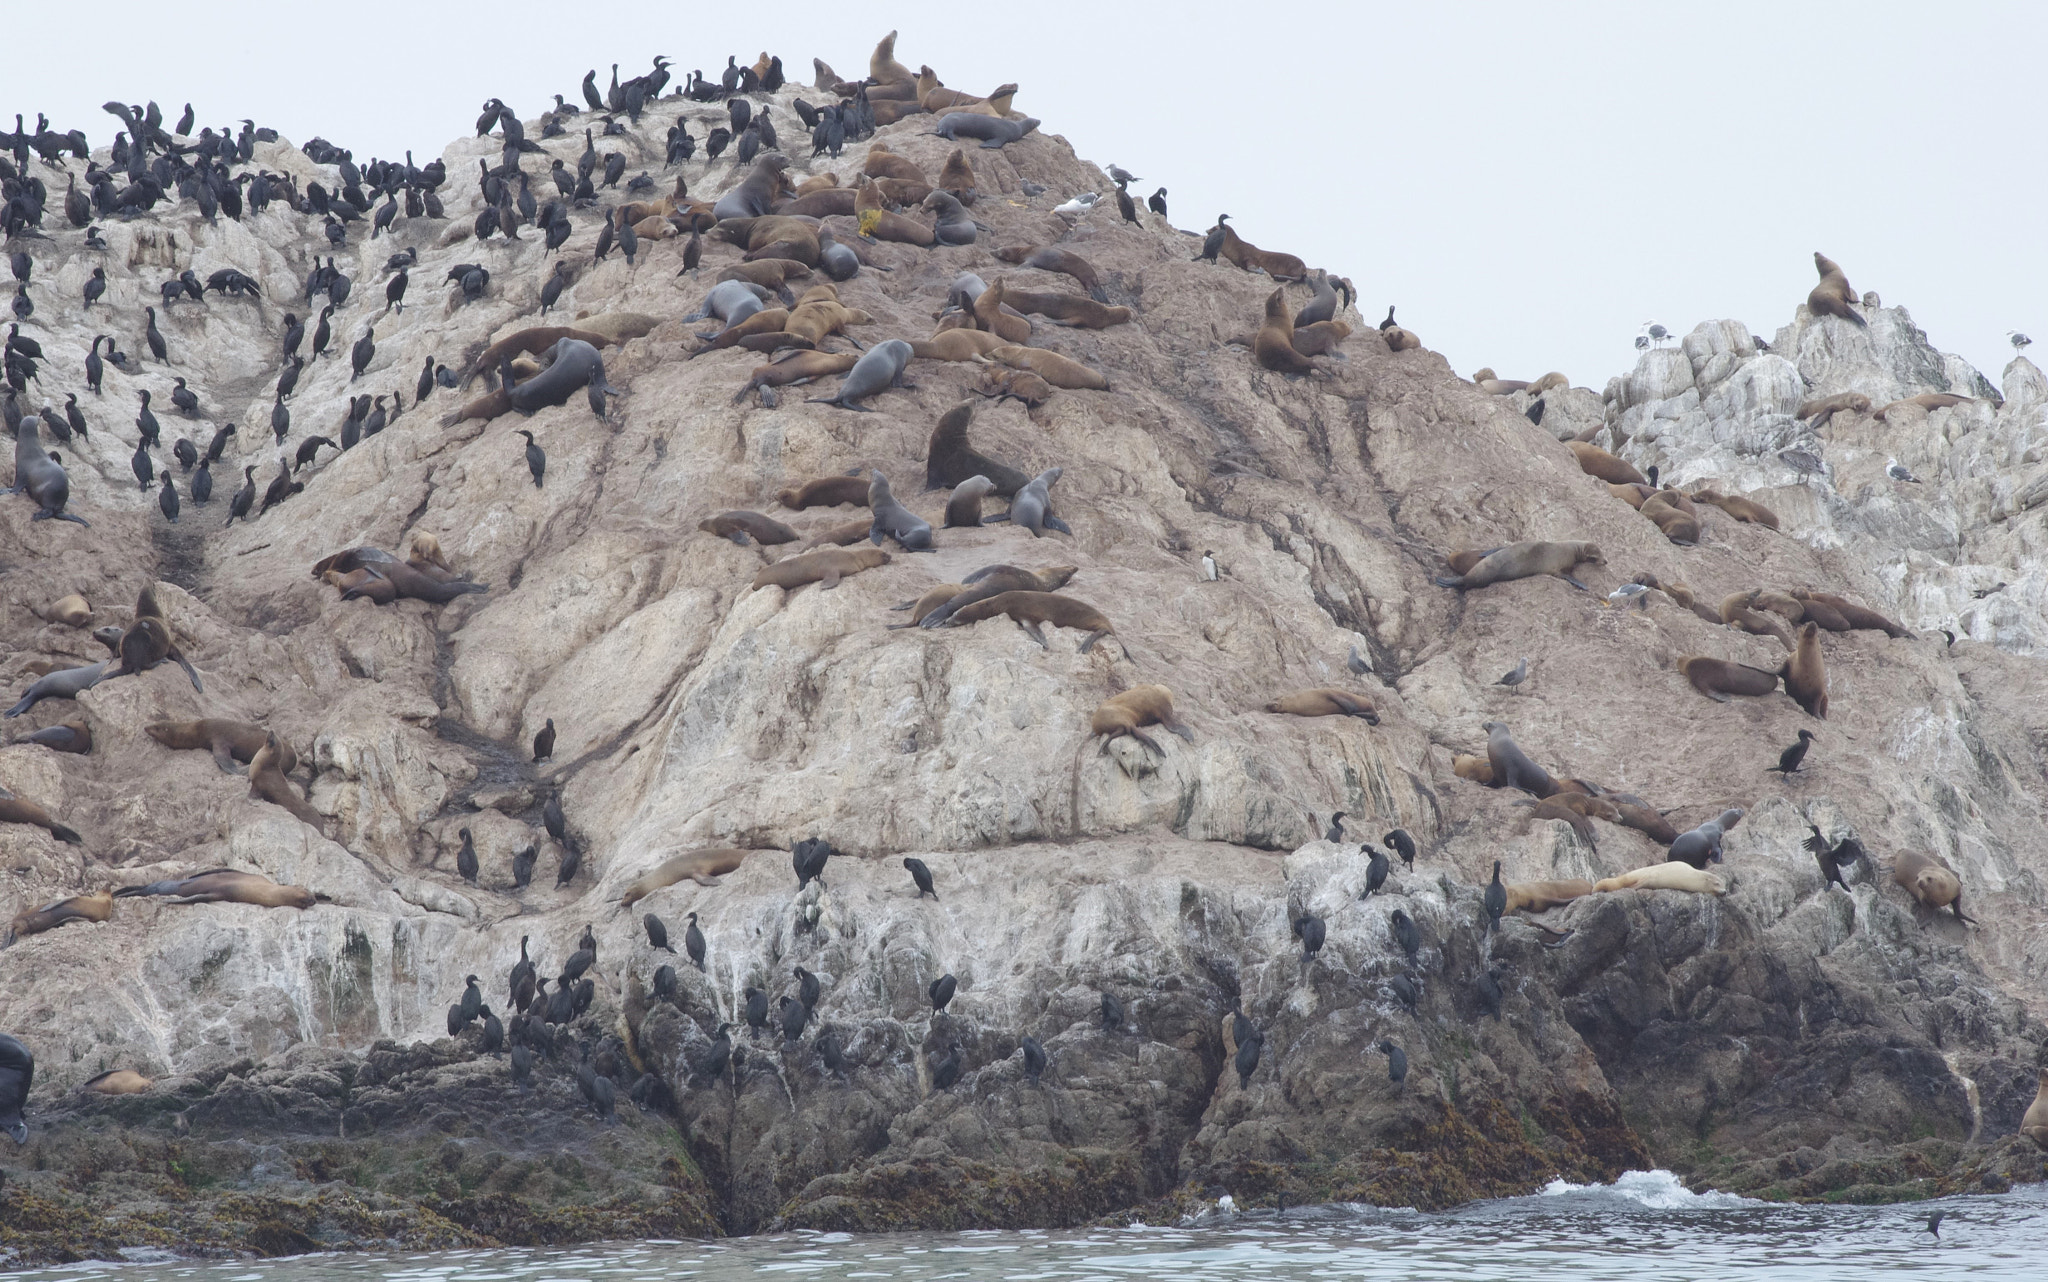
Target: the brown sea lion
(377, 591)
(1678, 525)
(97, 906)
(119, 1081)
(1067, 309)
(1554, 808)
(148, 641)
(1550, 382)
(224, 886)
(843, 535)
(1821, 410)
(1052, 258)
(921, 608)
(989, 314)
(1633, 495)
(816, 319)
(958, 178)
(2034, 1125)
(229, 741)
(704, 867)
(1273, 346)
(769, 320)
(768, 273)
(826, 491)
(1398, 339)
(1055, 369)
(1742, 509)
(790, 370)
(883, 163)
(823, 567)
(1737, 611)
(883, 68)
(1646, 821)
(409, 581)
(531, 342)
(1806, 673)
(1594, 461)
(1673, 875)
(817, 182)
(1541, 896)
(1512, 767)
(1031, 609)
(957, 344)
(267, 783)
(1523, 561)
(1325, 702)
(1322, 338)
(1462, 561)
(994, 580)
(739, 526)
(1929, 401)
(1285, 268)
(963, 509)
(1004, 383)
(828, 203)
(20, 810)
(1719, 678)
(950, 460)
(1833, 296)
(71, 611)
(1930, 881)
(1856, 616)
(1125, 713)
(1789, 608)
(881, 224)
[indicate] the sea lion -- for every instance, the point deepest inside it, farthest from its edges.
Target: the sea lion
(1789, 608)
(958, 177)
(1462, 561)
(406, 580)
(704, 867)
(1476, 769)
(1806, 673)
(1929, 401)
(1072, 310)
(529, 342)
(1032, 507)
(1633, 495)
(38, 475)
(71, 736)
(1646, 821)
(1594, 461)
(990, 313)
(1004, 383)
(1678, 525)
(950, 460)
(1052, 258)
(1719, 678)
(816, 319)
(1125, 713)
(1273, 346)
(1833, 295)
(951, 223)
(1821, 410)
(72, 611)
(753, 196)
(1668, 876)
(64, 683)
(793, 368)
(2034, 1125)
(148, 641)
(97, 906)
(229, 741)
(1325, 702)
(891, 519)
(119, 1081)
(921, 608)
(1031, 609)
(267, 783)
(1742, 509)
(739, 526)
(1820, 612)
(1737, 612)
(843, 535)
(826, 491)
(1522, 561)
(1931, 882)
(1512, 767)
(1554, 808)
(827, 203)
(1551, 382)
(573, 365)
(880, 368)
(224, 886)
(993, 131)
(1702, 845)
(1054, 368)
(769, 320)
(1249, 257)
(822, 567)
(426, 549)
(20, 810)
(1398, 339)
(1541, 896)
(963, 508)
(1857, 616)
(956, 344)
(994, 580)
(1320, 339)
(883, 68)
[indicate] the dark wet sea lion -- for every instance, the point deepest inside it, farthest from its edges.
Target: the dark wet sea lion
(994, 580)
(65, 683)
(739, 526)
(1512, 767)
(573, 366)
(949, 459)
(891, 519)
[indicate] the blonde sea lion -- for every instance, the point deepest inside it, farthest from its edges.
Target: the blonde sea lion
(957, 344)
(20, 810)
(1549, 383)
(1325, 702)
(267, 783)
(426, 548)
(1398, 339)
(989, 314)
(1030, 610)
(229, 741)
(97, 906)
(883, 68)
(1856, 616)
(793, 369)
(1929, 401)
(1322, 338)
(1666, 876)
(704, 867)
(1596, 462)
(1523, 561)
(1126, 713)
(72, 611)
(826, 491)
(1055, 369)
(739, 526)
(819, 182)
(1833, 296)
(1742, 509)
(1806, 673)
(1819, 411)
(823, 567)
(119, 1081)
(1930, 881)
(817, 319)
(1541, 896)
(1477, 769)
(1718, 678)
(224, 886)
(1678, 525)
(1273, 346)
(2034, 1125)
(1633, 495)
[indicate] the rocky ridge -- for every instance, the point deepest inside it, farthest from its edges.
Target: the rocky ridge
(1786, 1040)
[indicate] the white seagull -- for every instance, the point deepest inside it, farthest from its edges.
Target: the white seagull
(1080, 204)
(2017, 339)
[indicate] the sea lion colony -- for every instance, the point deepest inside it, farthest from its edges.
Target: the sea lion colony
(788, 258)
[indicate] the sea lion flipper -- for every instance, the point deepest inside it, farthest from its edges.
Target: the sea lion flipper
(1032, 630)
(1449, 581)
(225, 759)
(1715, 695)
(1052, 522)
(183, 663)
(830, 581)
(991, 520)
(1574, 582)
(704, 879)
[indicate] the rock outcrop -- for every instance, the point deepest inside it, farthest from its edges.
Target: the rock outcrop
(1789, 1038)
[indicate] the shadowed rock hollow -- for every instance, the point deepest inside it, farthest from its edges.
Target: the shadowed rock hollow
(1788, 1039)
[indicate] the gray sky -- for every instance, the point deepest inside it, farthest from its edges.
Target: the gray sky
(1528, 182)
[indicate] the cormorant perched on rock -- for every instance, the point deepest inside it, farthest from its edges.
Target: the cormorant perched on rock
(536, 463)
(465, 858)
(1376, 870)
(1789, 759)
(1310, 931)
(1157, 202)
(1488, 987)
(544, 743)
(472, 999)
(808, 858)
(757, 1010)
(1397, 1062)
(693, 941)
(1388, 323)
(1336, 829)
(1496, 899)
(1112, 1014)
(1212, 244)
(1404, 846)
(657, 933)
(806, 988)
(1247, 1059)
(941, 992)
(1833, 858)
(794, 1015)
(1034, 1057)
(1405, 934)
(947, 1071)
(922, 876)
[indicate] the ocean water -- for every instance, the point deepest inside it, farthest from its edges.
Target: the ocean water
(1644, 1227)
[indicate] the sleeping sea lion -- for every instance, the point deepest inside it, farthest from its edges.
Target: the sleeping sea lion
(97, 906)
(224, 886)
